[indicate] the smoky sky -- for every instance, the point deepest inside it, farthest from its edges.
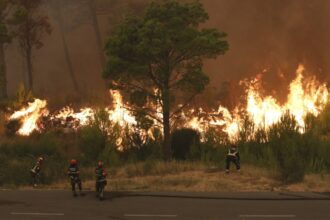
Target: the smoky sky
(275, 35)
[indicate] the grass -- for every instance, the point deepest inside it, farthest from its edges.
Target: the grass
(192, 177)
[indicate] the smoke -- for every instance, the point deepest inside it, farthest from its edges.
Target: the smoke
(274, 35)
(271, 35)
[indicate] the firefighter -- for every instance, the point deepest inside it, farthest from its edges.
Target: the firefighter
(233, 157)
(74, 174)
(101, 181)
(35, 171)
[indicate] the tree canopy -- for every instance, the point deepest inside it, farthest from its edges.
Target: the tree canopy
(159, 57)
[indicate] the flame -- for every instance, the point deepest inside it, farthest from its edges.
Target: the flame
(302, 101)
(119, 112)
(83, 117)
(306, 96)
(29, 116)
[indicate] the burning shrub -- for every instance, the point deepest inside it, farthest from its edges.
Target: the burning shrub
(99, 140)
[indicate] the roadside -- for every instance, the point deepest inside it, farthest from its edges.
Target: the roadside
(191, 177)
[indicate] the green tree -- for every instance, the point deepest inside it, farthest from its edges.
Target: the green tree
(162, 51)
(31, 27)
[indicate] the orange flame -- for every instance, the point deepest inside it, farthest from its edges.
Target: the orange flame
(306, 96)
(84, 116)
(119, 113)
(29, 116)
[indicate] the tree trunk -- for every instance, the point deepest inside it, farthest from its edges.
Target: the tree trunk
(66, 53)
(166, 124)
(3, 76)
(97, 32)
(29, 68)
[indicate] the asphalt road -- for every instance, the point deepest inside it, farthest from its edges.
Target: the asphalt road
(60, 205)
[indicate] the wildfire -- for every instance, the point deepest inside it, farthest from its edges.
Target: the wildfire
(30, 115)
(306, 96)
(83, 117)
(118, 113)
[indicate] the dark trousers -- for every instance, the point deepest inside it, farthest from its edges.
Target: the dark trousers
(75, 181)
(35, 178)
(99, 184)
(233, 159)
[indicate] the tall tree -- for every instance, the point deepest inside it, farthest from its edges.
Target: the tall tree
(88, 11)
(96, 26)
(32, 26)
(82, 12)
(5, 38)
(57, 6)
(109, 7)
(163, 51)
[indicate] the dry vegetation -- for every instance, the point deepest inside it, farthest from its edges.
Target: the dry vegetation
(283, 160)
(192, 177)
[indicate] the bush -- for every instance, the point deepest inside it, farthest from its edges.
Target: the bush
(213, 149)
(186, 144)
(323, 122)
(289, 149)
(18, 156)
(256, 153)
(149, 150)
(91, 142)
(110, 155)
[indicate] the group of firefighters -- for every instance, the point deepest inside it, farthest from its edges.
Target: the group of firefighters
(74, 173)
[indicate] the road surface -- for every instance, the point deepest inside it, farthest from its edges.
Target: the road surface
(60, 205)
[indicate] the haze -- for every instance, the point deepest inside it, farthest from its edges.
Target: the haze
(275, 35)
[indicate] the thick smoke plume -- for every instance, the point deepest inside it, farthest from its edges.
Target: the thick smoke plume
(266, 36)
